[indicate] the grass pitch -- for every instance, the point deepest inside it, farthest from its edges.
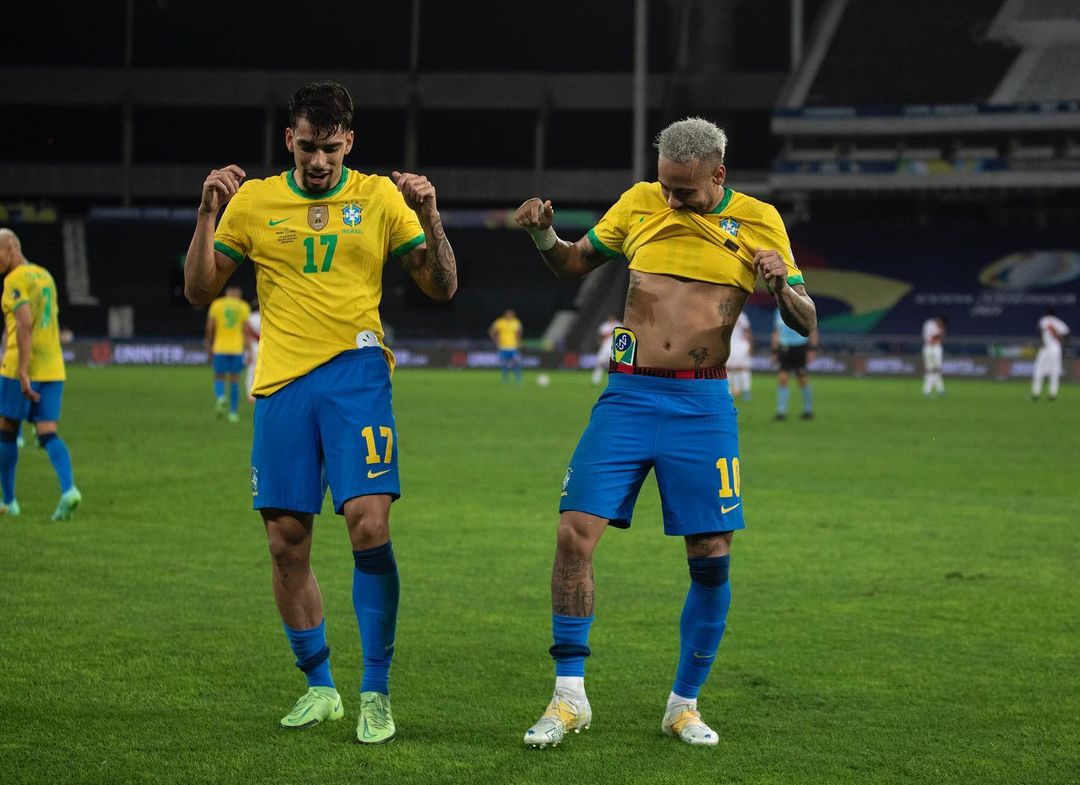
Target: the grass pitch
(906, 604)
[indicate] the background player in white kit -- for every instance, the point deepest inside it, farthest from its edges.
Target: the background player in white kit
(603, 352)
(252, 330)
(933, 333)
(1048, 360)
(738, 363)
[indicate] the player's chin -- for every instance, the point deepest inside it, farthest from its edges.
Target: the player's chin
(316, 183)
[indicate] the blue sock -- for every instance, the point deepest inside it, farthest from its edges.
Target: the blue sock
(219, 388)
(571, 634)
(782, 394)
(517, 373)
(375, 599)
(234, 396)
(505, 374)
(9, 456)
(702, 625)
(807, 399)
(312, 653)
(60, 458)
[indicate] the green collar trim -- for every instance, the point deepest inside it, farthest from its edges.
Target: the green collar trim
(728, 193)
(296, 189)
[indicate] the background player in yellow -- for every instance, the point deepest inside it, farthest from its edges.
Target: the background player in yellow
(506, 333)
(318, 236)
(225, 340)
(695, 248)
(32, 375)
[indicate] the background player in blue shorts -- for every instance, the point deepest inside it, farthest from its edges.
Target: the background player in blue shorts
(32, 373)
(319, 235)
(695, 248)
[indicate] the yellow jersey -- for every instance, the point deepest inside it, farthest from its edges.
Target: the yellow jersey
(32, 286)
(717, 247)
(507, 333)
(318, 265)
(229, 315)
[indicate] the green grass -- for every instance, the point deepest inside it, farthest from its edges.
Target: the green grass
(906, 606)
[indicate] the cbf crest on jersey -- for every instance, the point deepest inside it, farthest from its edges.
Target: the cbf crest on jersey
(352, 214)
(730, 226)
(317, 216)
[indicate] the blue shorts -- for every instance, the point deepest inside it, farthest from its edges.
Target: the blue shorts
(14, 405)
(228, 363)
(685, 429)
(333, 426)
(509, 355)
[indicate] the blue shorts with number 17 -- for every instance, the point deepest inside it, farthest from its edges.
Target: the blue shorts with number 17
(684, 429)
(333, 427)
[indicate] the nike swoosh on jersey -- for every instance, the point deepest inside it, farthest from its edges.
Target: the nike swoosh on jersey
(372, 475)
(272, 222)
(725, 510)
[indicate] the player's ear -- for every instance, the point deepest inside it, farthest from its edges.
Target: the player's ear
(719, 174)
(349, 138)
(288, 138)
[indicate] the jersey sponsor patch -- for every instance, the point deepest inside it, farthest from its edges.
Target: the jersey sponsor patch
(623, 346)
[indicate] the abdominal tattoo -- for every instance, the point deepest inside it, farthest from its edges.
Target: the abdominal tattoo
(700, 354)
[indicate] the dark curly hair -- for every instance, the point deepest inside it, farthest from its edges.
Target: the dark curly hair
(326, 105)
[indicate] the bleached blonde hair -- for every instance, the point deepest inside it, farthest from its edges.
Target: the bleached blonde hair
(690, 139)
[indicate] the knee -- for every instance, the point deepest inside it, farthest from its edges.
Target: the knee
(369, 524)
(288, 550)
(574, 538)
(710, 572)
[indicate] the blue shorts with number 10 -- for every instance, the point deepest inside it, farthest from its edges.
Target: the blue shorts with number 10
(684, 429)
(333, 426)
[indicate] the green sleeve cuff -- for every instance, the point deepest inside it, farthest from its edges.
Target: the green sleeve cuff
(404, 248)
(792, 280)
(19, 304)
(600, 247)
(232, 253)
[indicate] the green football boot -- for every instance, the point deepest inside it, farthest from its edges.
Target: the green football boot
(10, 510)
(314, 706)
(220, 407)
(376, 723)
(233, 417)
(68, 502)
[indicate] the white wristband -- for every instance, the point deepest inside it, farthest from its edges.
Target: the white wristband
(544, 239)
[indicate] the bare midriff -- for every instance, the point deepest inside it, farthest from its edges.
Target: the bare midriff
(681, 323)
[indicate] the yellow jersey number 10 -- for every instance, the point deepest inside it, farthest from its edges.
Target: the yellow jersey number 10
(730, 483)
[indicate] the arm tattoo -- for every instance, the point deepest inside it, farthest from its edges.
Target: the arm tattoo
(568, 260)
(700, 354)
(441, 266)
(797, 309)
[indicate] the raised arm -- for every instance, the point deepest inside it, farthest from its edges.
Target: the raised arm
(207, 270)
(796, 308)
(567, 260)
(432, 265)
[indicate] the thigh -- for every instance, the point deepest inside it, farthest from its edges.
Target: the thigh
(13, 404)
(47, 407)
(697, 469)
(613, 456)
(356, 427)
(286, 457)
